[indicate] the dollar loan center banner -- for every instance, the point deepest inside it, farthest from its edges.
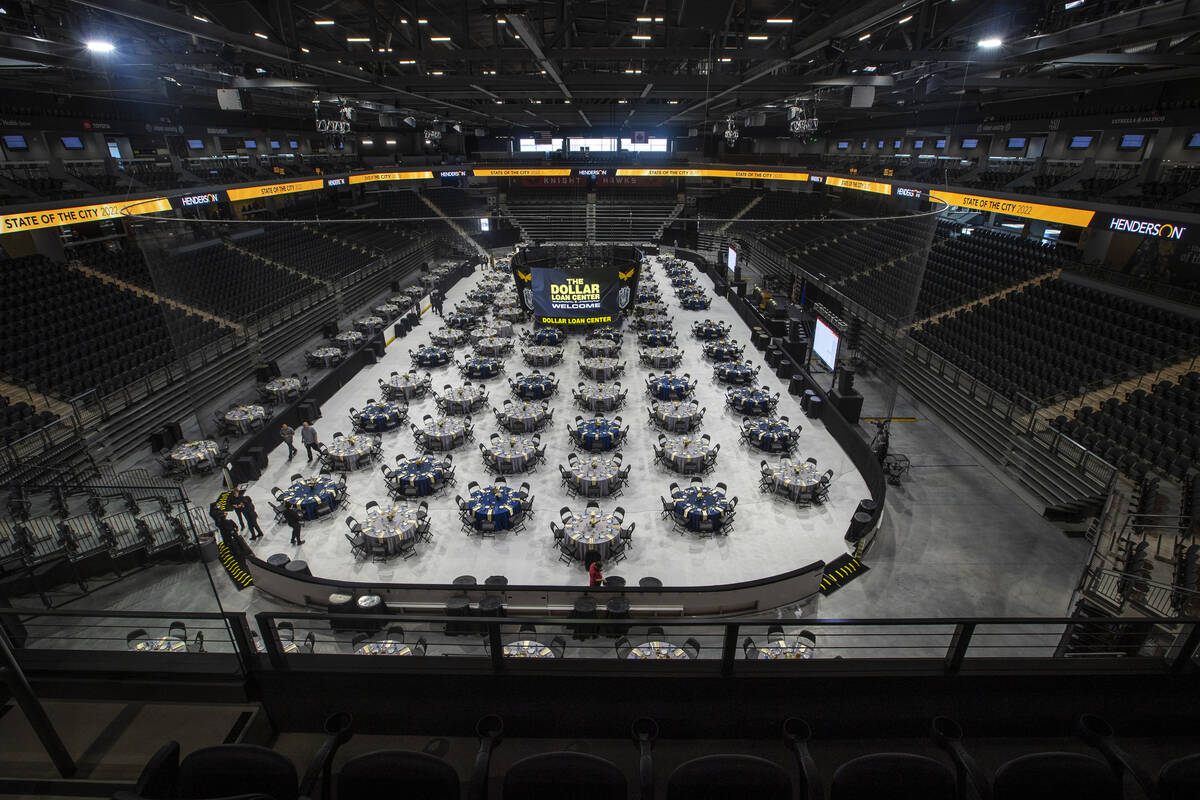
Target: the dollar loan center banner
(590, 297)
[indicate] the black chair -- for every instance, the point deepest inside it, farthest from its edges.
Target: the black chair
(1049, 776)
(389, 773)
(717, 777)
(1180, 779)
(579, 776)
(894, 776)
(232, 769)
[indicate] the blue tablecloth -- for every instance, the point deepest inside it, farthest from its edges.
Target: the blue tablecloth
(710, 330)
(481, 295)
(313, 495)
(751, 401)
(460, 320)
(547, 336)
(424, 474)
(723, 350)
(534, 387)
(695, 302)
(657, 337)
(497, 504)
(598, 433)
(770, 434)
(697, 504)
(606, 332)
(670, 387)
(483, 367)
(735, 371)
(648, 295)
(431, 356)
(381, 416)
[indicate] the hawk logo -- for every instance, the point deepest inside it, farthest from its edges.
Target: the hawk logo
(525, 276)
(623, 296)
(625, 275)
(528, 295)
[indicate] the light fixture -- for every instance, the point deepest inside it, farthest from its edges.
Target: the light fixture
(516, 36)
(658, 19)
(567, 101)
(622, 100)
(641, 37)
(633, 72)
(261, 35)
(501, 22)
(779, 21)
(391, 141)
(367, 141)
(645, 19)
(436, 72)
(1073, 4)
(358, 38)
(870, 68)
(725, 59)
(304, 50)
(499, 102)
(406, 61)
(904, 20)
(543, 72)
(731, 131)
(260, 70)
(864, 37)
(439, 38)
(100, 46)
(757, 37)
(990, 43)
(422, 22)
(199, 18)
(323, 22)
(673, 102)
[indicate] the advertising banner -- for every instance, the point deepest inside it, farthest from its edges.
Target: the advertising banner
(73, 215)
(1016, 208)
(576, 296)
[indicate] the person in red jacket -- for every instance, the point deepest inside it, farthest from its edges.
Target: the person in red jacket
(595, 576)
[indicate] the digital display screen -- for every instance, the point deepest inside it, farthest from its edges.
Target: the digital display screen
(969, 144)
(1016, 143)
(485, 224)
(71, 143)
(896, 144)
(918, 144)
(825, 344)
(251, 144)
(879, 144)
(1132, 141)
(15, 143)
(731, 261)
(575, 297)
(195, 144)
(939, 144)
(294, 145)
(1080, 143)
(274, 145)
(843, 145)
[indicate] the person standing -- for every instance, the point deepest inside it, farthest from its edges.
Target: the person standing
(234, 503)
(595, 576)
(287, 434)
(436, 299)
(216, 512)
(308, 435)
(229, 535)
(245, 508)
(291, 515)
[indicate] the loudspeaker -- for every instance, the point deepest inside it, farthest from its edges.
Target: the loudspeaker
(172, 433)
(329, 329)
(854, 334)
(266, 371)
(846, 381)
(395, 286)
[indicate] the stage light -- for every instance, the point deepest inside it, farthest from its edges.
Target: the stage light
(305, 50)
(904, 20)
(261, 35)
(358, 38)
(439, 38)
(100, 46)
(323, 22)
(406, 61)
(758, 37)
(199, 18)
(725, 60)
(864, 37)
(368, 141)
(990, 44)
(779, 21)
(391, 141)
(645, 19)
(641, 37)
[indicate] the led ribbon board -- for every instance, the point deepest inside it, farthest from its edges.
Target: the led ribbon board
(274, 189)
(744, 174)
(521, 173)
(73, 215)
(375, 177)
(1062, 215)
(875, 187)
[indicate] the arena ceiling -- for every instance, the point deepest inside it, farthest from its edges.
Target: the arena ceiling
(571, 64)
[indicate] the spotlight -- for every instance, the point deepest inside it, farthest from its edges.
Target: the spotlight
(100, 46)
(989, 44)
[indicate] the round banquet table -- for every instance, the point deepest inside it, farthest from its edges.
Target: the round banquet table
(650, 307)
(460, 320)
(350, 452)
(598, 433)
(669, 387)
(446, 433)
(431, 356)
(387, 310)
(596, 476)
(695, 302)
(472, 308)
(480, 295)
(751, 401)
(795, 478)
(686, 453)
(735, 371)
(312, 495)
(657, 337)
(511, 312)
(496, 504)
(696, 505)
(710, 330)
(408, 384)
(163, 644)
(723, 350)
(190, 454)
(493, 345)
(599, 368)
(771, 435)
(599, 347)
(349, 339)
(423, 474)
(661, 357)
(524, 415)
(501, 328)
(542, 355)
(282, 388)
(590, 531)
(657, 651)
(648, 296)
(601, 397)
(413, 293)
(534, 387)
(513, 453)
(483, 367)
(384, 648)
(782, 648)
(462, 399)
(606, 332)
(381, 417)
(677, 415)
(391, 525)
(654, 321)
(244, 417)
(328, 355)
(548, 336)
(527, 648)
(448, 337)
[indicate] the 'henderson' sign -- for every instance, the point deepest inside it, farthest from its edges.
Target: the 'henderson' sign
(1164, 230)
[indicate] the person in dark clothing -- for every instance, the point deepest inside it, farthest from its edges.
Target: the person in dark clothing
(244, 507)
(232, 502)
(308, 435)
(287, 434)
(231, 538)
(216, 512)
(291, 515)
(595, 576)
(436, 299)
